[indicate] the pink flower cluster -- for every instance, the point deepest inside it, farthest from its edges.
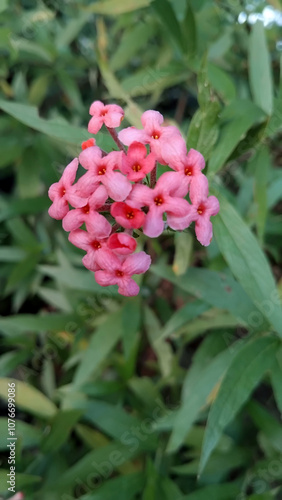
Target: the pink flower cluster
(117, 183)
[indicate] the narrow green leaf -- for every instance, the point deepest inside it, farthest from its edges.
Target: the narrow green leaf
(127, 486)
(28, 398)
(276, 378)
(159, 345)
(28, 436)
(234, 127)
(262, 164)
(196, 400)
(260, 69)
(217, 289)
(182, 316)
(241, 378)
(101, 344)
(115, 7)
(54, 128)
(168, 18)
(60, 429)
(228, 491)
(183, 243)
(248, 263)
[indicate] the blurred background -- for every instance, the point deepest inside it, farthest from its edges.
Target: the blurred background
(175, 394)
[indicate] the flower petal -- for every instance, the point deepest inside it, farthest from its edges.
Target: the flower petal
(108, 261)
(129, 288)
(95, 124)
(105, 278)
(97, 225)
(151, 121)
(117, 185)
(59, 209)
(141, 196)
(137, 263)
(113, 119)
(80, 239)
(199, 189)
(203, 229)
(96, 108)
(131, 134)
(89, 158)
(74, 219)
(176, 206)
(122, 243)
(154, 224)
(212, 206)
(69, 173)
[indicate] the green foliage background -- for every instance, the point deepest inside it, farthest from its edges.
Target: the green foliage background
(176, 394)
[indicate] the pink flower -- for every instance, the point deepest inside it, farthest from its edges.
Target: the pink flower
(111, 115)
(102, 170)
(165, 142)
(91, 244)
(63, 192)
(127, 216)
(122, 243)
(136, 164)
(117, 271)
(88, 215)
(159, 200)
(204, 207)
(189, 169)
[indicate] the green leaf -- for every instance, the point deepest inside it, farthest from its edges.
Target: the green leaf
(159, 345)
(132, 41)
(101, 344)
(234, 128)
(217, 289)
(276, 378)
(189, 30)
(195, 400)
(24, 207)
(228, 491)
(127, 486)
(266, 423)
(28, 398)
(262, 164)
(54, 128)
(60, 429)
(21, 323)
(183, 243)
(182, 316)
(28, 436)
(241, 378)
(248, 263)
(260, 69)
(168, 18)
(115, 7)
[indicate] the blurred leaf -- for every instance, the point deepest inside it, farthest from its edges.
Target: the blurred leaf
(189, 30)
(54, 128)
(217, 289)
(183, 316)
(24, 207)
(101, 344)
(159, 345)
(29, 436)
(114, 7)
(60, 429)
(132, 41)
(262, 164)
(195, 401)
(28, 398)
(265, 422)
(227, 491)
(276, 378)
(70, 32)
(168, 18)
(38, 89)
(183, 252)
(241, 378)
(233, 131)
(260, 69)
(128, 487)
(248, 263)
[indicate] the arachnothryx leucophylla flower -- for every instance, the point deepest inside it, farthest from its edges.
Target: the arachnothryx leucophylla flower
(124, 184)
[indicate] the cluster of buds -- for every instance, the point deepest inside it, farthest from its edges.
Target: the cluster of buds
(118, 183)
